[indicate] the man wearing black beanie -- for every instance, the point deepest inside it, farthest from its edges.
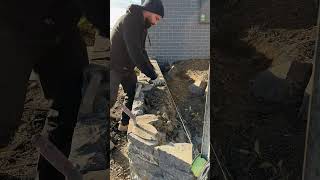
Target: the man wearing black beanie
(128, 51)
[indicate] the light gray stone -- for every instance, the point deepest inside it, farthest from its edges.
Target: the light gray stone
(173, 174)
(175, 157)
(270, 88)
(198, 88)
(135, 152)
(144, 145)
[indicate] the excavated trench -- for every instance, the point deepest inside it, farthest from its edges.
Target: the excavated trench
(157, 102)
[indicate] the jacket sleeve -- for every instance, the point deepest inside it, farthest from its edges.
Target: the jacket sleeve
(96, 13)
(132, 35)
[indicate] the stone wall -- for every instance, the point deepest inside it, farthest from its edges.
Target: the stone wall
(150, 156)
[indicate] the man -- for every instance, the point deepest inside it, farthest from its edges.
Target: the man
(43, 35)
(128, 51)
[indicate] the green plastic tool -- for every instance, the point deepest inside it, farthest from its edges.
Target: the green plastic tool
(199, 165)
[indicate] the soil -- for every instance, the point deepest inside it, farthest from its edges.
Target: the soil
(119, 162)
(258, 140)
(157, 102)
(190, 106)
(19, 159)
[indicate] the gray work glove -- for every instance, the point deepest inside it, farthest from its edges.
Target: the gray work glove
(158, 81)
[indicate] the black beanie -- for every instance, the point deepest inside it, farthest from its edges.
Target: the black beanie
(154, 6)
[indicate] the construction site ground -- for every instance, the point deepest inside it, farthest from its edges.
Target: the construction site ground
(190, 106)
(257, 140)
(18, 161)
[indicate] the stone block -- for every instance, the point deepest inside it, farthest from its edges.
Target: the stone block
(198, 88)
(300, 72)
(303, 110)
(138, 107)
(174, 157)
(140, 171)
(94, 175)
(145, 145)
(270, 86)
(149, 156)
(144, 128)
(176, 174)
(298, 77)
(141, 164)
(284, 83)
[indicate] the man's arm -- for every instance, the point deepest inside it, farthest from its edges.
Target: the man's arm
(132, 35)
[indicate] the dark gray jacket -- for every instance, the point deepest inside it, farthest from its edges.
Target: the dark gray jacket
(128, 43)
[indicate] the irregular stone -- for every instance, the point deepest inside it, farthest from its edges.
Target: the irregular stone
(101, 43)
(198, 88)
(137, 152)
(145, 145)
(141, 163)
(138, 105)
(144, 128)
(270, 86)
(138, 91)
(175, 156)
(144, 175)
(303, 111)
(34, 76)
(94, 175)
(147, 87)
(146, 131)
(181, 136)
(89, 146)
(298, 77)
(300, 72)
(176, 174)
(157, 68)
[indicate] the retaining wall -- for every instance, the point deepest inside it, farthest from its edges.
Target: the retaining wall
(150, 156)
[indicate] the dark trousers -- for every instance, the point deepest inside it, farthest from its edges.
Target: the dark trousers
(128, 80)
(59, 61)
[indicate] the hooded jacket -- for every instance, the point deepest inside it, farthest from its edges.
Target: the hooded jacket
(128, 43)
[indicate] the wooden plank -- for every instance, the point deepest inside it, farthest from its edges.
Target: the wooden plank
(205, 146)
(56, 158)
(311, 165)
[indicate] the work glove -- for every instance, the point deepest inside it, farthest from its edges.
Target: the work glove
(158, 81)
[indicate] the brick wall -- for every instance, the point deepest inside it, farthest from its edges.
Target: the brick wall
(180, 35)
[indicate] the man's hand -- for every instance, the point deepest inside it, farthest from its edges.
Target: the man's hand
(158, 81)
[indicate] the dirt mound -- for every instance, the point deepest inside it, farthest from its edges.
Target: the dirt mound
(254, 139)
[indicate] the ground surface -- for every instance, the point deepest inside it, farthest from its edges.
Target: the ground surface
(191, 108)
(258, 140)
(19, 160)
